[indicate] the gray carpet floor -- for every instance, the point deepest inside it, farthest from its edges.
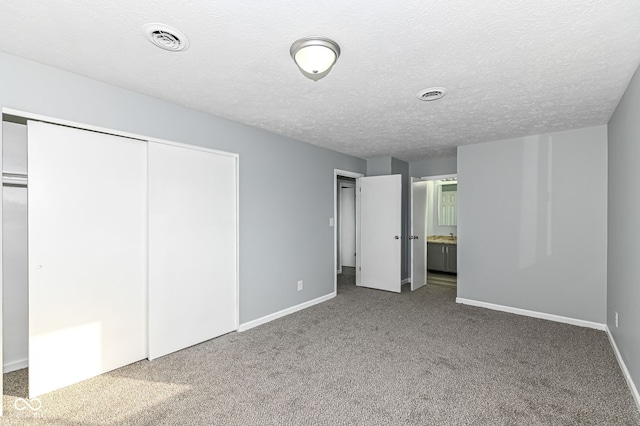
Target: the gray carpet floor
(366, 357)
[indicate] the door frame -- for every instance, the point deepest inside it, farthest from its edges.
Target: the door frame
(413, 220)
(339, 220)
(355, 175)
(438, 177)
(1, 283)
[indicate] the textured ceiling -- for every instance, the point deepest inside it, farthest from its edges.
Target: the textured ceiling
(512, 68)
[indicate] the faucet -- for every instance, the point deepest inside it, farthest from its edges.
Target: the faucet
(451, 235)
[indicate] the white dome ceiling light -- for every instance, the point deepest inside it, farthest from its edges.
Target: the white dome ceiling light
(315, 56)
(166, 37)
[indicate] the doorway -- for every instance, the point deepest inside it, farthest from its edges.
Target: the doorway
(442, 230)
(346, 225)
(378, 206)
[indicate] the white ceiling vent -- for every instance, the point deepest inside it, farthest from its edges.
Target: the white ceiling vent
(432, 94)
(165, 37)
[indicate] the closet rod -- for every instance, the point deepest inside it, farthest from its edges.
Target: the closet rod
(14, 179)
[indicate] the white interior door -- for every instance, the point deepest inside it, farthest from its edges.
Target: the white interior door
(192, 247)
(87, 223)
(418, 233)
(380, 199)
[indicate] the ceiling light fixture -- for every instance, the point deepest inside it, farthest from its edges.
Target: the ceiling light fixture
(315, 56)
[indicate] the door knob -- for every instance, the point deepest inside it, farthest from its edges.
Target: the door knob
(411, 237)
(397, 237)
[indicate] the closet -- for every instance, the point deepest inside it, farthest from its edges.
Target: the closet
(14, 231)
(132, 251)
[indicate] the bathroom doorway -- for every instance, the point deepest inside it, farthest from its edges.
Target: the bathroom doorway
(442, 230)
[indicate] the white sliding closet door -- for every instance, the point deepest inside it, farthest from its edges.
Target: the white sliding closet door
(192, 247)
(87, 254)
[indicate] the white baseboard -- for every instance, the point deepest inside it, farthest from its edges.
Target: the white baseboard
(15, 365)
(534, 314)
(247, 325)
(405, 281)
(625, 371)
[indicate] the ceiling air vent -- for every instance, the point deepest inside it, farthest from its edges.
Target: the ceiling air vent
(432, 94)
(165, 37)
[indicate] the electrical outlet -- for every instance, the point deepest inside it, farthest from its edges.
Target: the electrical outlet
(300, 285)
(616, 320)
(332, 222)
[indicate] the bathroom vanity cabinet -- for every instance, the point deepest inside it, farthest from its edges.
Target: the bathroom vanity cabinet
(442, 257)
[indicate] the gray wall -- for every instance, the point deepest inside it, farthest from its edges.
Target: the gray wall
(286, 187)
(623, 269)
(547, 195)
(436, 166)
(379, 166)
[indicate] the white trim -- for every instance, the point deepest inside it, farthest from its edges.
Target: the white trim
(15, 365)
(534, 314)
(625, 371)
(355, 175)
(267, 318)
(346, 173)
(84, 126)
(1, 281)
(146, 254)
(405, 281)
(438, 177)
(237, 324)
(358, 232)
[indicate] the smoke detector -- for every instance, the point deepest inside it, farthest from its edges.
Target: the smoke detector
(165, 37)
(432, 94)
